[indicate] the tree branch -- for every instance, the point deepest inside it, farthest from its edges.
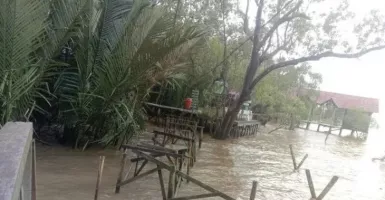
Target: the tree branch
(285, 18)
(245, 17)
(311, 58)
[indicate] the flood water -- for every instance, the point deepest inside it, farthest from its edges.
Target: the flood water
(230, 166)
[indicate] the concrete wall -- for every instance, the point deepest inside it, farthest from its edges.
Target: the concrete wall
(16, 161)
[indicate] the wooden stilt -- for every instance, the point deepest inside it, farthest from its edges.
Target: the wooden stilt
(100, 174)
(328, 187)
(171, 183)
(253, 190)
(302, 161)
(293, 157)
(311, 185)
(307, 125)
(120, 176)
(161, 183)
(343, 121)
(200, 137)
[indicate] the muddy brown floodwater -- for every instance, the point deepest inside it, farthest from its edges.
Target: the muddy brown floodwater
(230, 166)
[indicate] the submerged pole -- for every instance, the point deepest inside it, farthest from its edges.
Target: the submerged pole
(253, 190)
(99, 179)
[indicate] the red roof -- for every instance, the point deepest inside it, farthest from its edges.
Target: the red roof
(349, 101)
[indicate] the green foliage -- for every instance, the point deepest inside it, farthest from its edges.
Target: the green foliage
(282, 91)
(22, 74)
(121, 49)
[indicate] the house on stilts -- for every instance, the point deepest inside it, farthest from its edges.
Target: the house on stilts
(336, 112)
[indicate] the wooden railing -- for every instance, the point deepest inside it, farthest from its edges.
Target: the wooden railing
(17, 162)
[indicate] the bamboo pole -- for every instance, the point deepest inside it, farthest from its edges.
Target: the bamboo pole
(293, 157)
(100, 174)
(328, 187)
(311, 185)
(120, 176)
(253, 190)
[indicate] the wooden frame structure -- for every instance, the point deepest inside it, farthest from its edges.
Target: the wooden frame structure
(149, 153)
(244, 128)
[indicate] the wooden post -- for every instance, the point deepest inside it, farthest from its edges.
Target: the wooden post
(340, 131)
(200, 137)
(120, 176)
(302, 161)
(293, 157)
(99, 179)
(343, 120)
(253, 190)
(161, 183)
(333, 118)
(328, 187)
(171, 183)
(319, 125)
(33, 151)
(307, 125)
(311, 185)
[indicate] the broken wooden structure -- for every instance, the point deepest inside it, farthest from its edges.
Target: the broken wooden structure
(149, 154)
(324, 191)
(296, 167)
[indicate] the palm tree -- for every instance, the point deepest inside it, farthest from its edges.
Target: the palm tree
(121, 49)
(115, 64)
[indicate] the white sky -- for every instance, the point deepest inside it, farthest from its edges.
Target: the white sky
(363, 76)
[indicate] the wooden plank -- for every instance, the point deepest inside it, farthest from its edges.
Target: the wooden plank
(156, 147)
(171, 108)
(173, 136)
(161, 182)
(99, 179)
(141, 158)
(199, 196)
(293, 157)
(253, 190)
(310, 183)
(138, 177)
(120, 176)
(302, 161)
(328, 187)
(185, 176)
(134, 147)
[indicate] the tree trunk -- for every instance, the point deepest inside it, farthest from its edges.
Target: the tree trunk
(223, 132)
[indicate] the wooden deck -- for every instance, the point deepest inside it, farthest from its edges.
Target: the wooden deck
(320, 124)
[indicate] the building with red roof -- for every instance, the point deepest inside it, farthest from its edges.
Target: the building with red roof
(345, 101)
